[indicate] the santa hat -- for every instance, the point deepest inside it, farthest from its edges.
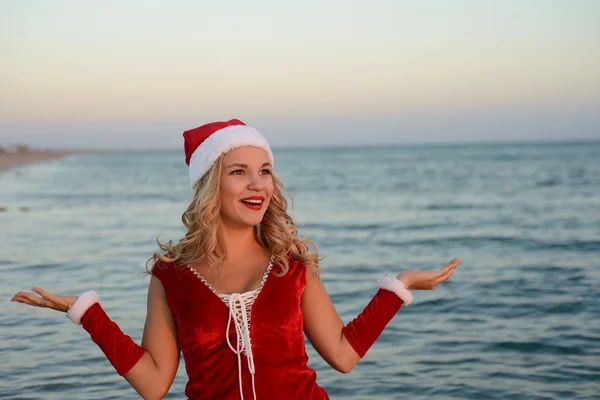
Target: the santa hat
(203, 145)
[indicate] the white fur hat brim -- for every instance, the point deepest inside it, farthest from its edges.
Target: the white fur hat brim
(221, 142)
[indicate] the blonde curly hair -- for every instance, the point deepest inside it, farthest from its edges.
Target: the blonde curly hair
(203, 240)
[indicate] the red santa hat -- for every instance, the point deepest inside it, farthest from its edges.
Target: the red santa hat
(203, 145)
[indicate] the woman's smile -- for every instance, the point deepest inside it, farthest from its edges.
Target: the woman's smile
(253, 202)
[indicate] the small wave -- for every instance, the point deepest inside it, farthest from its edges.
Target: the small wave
(574, 245)
(568, 308)
(534, 347)
(372, 227)
(341, 227)
(507, 157)
(478, 241)
(418, 227)
(357, 268)
(439, 206)
(41, 266)
(548, 182)
(433, 303)
(551, 269)
(467, 241)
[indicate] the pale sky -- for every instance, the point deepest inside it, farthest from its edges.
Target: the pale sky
(136, 74)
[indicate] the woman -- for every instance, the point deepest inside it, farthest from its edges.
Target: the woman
(237, 294)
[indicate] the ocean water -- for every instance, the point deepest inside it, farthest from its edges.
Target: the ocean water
(519, 319)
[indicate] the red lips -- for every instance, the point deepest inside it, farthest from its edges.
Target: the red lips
(253, 202)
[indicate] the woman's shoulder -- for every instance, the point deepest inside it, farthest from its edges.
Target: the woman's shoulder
(164, 269)
(296, 265)
(305, 267)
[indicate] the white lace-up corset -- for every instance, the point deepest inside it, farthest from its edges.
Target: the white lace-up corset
(240, 312)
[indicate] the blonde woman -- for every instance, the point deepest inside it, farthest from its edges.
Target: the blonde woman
(237, 294)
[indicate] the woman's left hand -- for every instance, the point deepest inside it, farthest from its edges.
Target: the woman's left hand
(52, 301)
(420, 280)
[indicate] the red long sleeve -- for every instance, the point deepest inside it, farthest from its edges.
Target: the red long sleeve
(122, 352)
(364, 330)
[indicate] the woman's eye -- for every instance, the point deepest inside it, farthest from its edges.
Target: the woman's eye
(266, 171)
(237, 172)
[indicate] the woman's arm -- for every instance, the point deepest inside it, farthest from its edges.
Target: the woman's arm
(153, 375)
(323, 326)
(150, 369)
(326, 331)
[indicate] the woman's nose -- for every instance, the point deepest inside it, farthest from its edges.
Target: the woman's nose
(255, 183)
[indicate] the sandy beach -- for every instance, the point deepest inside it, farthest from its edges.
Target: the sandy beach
(9, 159)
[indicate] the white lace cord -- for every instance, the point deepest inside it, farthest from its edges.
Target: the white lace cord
(239, 311)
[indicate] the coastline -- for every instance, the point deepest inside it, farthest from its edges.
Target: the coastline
(9, 160)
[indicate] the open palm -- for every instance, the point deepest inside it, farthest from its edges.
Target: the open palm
(421, 280)
(54, 302)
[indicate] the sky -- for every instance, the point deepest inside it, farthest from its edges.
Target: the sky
(136, 74)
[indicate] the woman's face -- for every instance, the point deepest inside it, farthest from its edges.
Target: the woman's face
(246, 186)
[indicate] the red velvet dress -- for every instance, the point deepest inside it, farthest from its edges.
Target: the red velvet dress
(276, 332)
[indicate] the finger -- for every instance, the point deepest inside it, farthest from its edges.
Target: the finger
(445, 276)
(44, 294)
(25, 295)
(448, 267)
(446, 272)
(22, 299)
(34, 301)
(454, 262)
(30, 299)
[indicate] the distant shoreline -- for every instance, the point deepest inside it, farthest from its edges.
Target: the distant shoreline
(10, 160)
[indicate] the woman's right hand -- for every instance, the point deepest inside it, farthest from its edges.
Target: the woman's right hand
(58, 303)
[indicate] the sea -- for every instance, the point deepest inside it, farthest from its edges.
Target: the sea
(518, 319)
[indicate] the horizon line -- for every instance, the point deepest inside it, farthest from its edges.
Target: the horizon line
(468, 142)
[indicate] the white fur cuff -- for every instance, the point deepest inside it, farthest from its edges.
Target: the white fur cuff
(83, 302)
(394, 285)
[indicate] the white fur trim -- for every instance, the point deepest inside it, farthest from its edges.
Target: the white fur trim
(220, 142)
(83, 302)
(397, 286)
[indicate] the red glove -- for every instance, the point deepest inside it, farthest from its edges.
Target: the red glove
(364, 330)
(122, 352)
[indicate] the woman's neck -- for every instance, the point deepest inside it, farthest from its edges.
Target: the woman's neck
(239, 242)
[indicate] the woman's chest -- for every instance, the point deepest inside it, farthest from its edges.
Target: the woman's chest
(205, 318)
(235, 277)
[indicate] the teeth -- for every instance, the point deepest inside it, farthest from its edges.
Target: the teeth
(253, 201)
